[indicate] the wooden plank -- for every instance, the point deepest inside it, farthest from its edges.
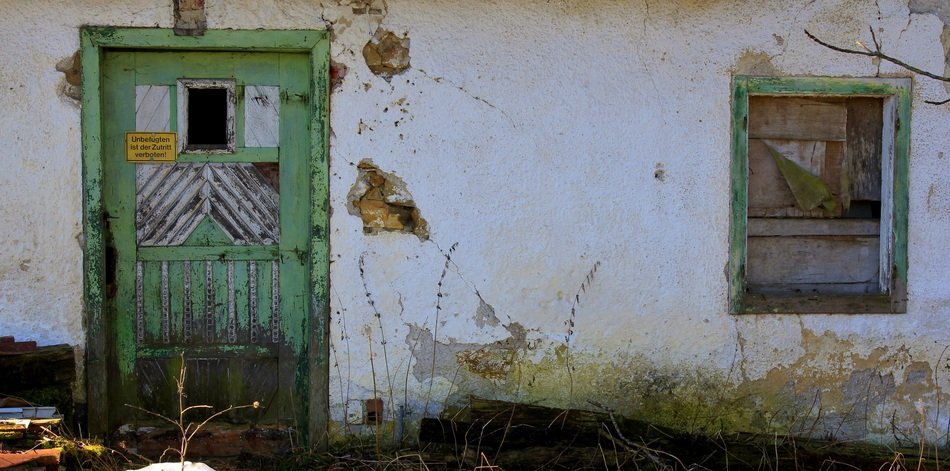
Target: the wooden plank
(824, 86)
(240, 154)
(825, 304)
(815, 289)
(521, 436)
(166, 67)
(248, 40)
(152, 108)
(797, 118)
(9, 346)
(152, 302)
(813, 259)
(46, 366)
(832, 172)
(243, 252)
(221, 296)
(118, 88)
(810, 227)
(261, 116)
(739, 176)
(217, 351)
(264, 291)
(294, 281)
(769, 193)
(211, 298)
(94, 259)
(863, 156)
(901, 181)
(198, 293)
(176, 282)
(48, 458)
(241, 299)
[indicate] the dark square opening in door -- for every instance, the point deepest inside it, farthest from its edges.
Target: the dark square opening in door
(208, 117)
(206, 114)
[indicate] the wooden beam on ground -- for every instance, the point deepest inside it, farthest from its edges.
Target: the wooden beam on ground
(48, 458)
(515, 436)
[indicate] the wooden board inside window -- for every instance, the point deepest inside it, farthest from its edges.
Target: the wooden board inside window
(833, 249)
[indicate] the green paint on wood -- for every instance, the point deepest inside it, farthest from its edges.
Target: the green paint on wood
(103, 177)
(237, 252)
(901, 182)
(176, 287)
(738, 191)
(221, 293)
(264, 272)
(817, 86)
(241, 292)
(119, 205)
(208, 233)
(152, 302)
(94, 250)
(199, 351)
(198, 290)
(241, 154)
(319, 354)
(244, 40)
(743, 86)
(295, 248)
(294, 210)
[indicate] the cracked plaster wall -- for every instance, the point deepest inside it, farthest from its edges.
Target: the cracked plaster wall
(533, 137)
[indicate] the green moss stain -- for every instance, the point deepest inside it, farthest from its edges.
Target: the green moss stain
(829, 391)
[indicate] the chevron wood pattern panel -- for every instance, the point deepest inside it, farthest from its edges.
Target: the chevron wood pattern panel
(172, 200)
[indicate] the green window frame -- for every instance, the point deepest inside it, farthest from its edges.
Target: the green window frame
(896, 96)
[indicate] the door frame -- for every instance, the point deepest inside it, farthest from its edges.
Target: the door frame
(314, 363)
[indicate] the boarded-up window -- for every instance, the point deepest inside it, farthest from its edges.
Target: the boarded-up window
(819, 195)
(814, 195)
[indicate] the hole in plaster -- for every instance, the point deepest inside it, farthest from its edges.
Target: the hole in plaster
(71, 67)
(384, 204)
(386, 54)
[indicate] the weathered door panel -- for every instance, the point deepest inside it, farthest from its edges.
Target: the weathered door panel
(209, 254)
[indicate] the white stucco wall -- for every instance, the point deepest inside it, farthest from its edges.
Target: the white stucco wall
(532, 134)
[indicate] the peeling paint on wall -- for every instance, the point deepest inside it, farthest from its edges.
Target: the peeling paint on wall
(485, 315)
(337, 74)
(383, 202)
(491, 361)
(755, 63)
(386, 54)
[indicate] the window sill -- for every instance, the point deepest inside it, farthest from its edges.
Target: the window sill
(753, 303)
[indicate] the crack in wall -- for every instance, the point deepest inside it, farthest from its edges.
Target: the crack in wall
(440, 80)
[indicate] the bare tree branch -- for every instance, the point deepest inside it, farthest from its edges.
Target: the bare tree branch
(880, 55)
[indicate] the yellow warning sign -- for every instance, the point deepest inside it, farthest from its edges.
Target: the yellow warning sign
(151, 146)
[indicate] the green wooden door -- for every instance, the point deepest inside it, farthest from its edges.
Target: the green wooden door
(208, 256)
